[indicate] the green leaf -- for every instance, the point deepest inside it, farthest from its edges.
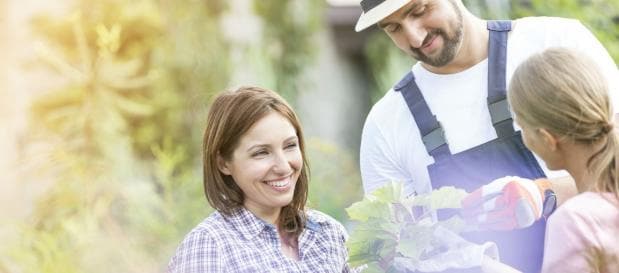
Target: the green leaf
(445, 197)
(372, 241)
(368, 208)
(387, 229)
(390, 193)
(455, 224)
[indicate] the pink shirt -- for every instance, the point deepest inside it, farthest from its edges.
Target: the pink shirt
(584, 224)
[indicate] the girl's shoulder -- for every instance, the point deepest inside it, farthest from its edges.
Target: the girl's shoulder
(589, 200)
(589, 207)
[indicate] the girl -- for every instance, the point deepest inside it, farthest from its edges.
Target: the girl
(561, 101)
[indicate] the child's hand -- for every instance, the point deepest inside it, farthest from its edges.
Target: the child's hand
(506, 203)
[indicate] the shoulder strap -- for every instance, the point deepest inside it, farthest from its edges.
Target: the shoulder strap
(497, 86)
(431, 131)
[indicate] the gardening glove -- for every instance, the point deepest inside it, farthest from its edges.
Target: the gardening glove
(457, 253)
(506, 203)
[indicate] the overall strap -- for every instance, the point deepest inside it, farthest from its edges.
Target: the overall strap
(431, 131)
(497, 86)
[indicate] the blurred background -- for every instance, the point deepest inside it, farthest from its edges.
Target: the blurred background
(103, 104)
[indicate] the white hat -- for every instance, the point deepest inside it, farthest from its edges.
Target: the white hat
(376, 10)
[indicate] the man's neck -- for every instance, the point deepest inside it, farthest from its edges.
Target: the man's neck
(473, 50)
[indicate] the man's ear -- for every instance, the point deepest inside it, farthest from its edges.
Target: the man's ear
(550, 140)
(222, 165)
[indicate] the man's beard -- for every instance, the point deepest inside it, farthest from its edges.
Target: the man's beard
(447, 53)
(450, 44)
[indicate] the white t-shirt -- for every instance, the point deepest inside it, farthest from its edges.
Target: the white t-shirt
(391, 146)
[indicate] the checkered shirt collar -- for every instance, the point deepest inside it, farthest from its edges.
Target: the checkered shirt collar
(249, 225)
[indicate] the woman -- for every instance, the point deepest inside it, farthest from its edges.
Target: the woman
(256, 178)
(561, 101)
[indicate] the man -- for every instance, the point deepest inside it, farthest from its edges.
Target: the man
(447, 122)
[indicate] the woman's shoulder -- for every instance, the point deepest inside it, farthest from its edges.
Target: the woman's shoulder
(200, 248)
(324, 221)
(320, 217)
(210, 228)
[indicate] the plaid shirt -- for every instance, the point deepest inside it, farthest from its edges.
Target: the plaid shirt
(243, 242)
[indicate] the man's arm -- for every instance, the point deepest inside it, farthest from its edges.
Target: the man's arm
(378, 164)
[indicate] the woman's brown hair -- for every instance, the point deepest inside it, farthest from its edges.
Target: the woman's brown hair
(230, 116)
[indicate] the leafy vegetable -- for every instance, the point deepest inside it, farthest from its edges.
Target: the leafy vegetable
(388, 229)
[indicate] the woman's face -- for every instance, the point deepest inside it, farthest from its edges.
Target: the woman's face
(266, 163)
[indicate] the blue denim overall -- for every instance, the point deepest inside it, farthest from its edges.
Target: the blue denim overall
(470, 169)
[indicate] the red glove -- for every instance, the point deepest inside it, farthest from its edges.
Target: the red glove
(507, 203)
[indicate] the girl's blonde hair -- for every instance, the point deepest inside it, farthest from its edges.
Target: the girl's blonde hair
(564, 92)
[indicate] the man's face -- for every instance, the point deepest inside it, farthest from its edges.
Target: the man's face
(428, 30)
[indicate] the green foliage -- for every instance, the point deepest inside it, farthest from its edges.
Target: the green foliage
(488, 9)
(600, 16)
(387, 64)
(445, 197)
(121, 132)
(388, 229)
(289, 32)
(192, 65)
(334, 180)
